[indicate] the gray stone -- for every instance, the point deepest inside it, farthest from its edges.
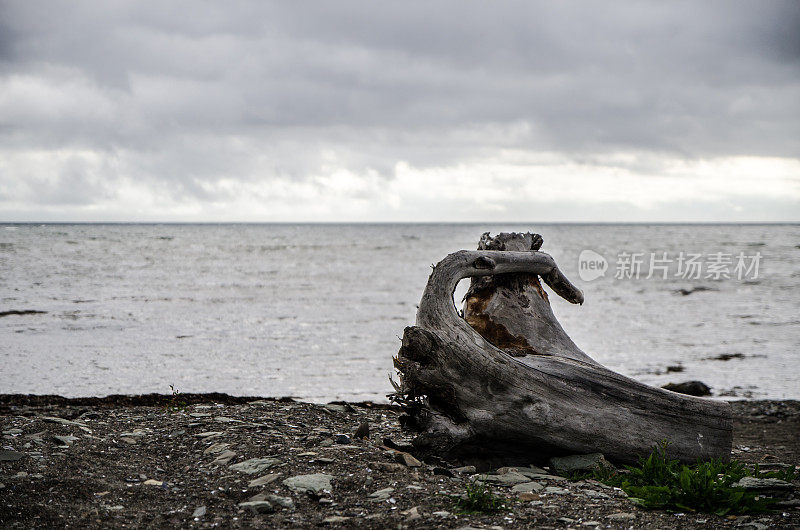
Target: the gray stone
(13, 431)
(412, 514)
(257, 506)
(622, 516)
(763, 484)
(466, 470)
(215, 448)
(225, 457)
(554, 490)
(388, 467)
(314, 483)
(200, 511)
(381, 495)
(442, 513)
(335, 519)
(7, 455)
(592, 494)
(283, 502)
(363, 431)
(262, 481)
(254, 465)
(407, 459)
(133, 434)
(62, 421)
(506, 479)
(209, 434)
(545, 476)
(567, 465)
(691, 388)
(527, 487)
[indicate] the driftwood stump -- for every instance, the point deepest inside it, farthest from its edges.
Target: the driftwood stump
(504, 384)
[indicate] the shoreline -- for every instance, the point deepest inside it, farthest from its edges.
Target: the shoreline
(215, 460)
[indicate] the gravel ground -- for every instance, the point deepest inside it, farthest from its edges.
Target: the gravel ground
(156, 461)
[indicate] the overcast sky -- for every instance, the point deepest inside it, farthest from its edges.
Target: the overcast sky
(402, 111)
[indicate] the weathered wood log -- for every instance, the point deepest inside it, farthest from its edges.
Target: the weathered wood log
(505, 384)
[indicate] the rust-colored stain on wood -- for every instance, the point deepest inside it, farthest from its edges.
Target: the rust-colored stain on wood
(495, 333)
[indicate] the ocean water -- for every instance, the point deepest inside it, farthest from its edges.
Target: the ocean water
(316, 311)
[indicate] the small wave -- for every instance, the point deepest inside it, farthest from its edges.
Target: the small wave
(20, 312)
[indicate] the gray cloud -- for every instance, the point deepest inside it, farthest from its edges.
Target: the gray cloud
(184, 94)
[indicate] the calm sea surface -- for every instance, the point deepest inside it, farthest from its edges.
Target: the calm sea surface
(315, 311)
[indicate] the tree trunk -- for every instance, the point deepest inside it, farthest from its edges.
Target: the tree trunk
(505, 384)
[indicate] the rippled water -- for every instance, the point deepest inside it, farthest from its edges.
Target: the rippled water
(315, 311)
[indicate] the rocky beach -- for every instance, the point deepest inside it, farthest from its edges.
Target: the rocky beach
(213, 460)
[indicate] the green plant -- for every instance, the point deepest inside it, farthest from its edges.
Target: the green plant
(661, 483)
(480, 498)
(176, 402)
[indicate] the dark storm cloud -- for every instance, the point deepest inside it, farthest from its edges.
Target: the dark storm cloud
(191, 92)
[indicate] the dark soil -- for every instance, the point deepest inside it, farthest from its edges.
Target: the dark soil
(149, 461)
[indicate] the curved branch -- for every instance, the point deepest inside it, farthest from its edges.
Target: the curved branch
(437, 300)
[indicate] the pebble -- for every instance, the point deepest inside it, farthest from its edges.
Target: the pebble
(506, 479)
(388, 467)
(62, 421)
(225, 457)
(412, 514)
(208, 434)
(762, 484)
(465, 470)
(153, 482)
(200, 511)
(590, 523)
(407, 460)
(528, 496)
(363, 431)
(262, 481)
(342, 439)
(567, 465)
(254, 465)
(622, 516)
(7, 455)
(592, 494)
(314, 483)
(257, 506)
(215, 448)
(283, 502)
(527, 487)
(13, 431)
(442, 513)
(381, 495)
(335, 519)
(133, 434)
(554, 490)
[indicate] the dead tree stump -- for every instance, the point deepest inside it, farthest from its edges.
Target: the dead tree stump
(504, 384)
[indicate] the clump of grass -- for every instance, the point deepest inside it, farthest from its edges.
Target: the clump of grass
(661, 483)
(176, 402)
(479, 498)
